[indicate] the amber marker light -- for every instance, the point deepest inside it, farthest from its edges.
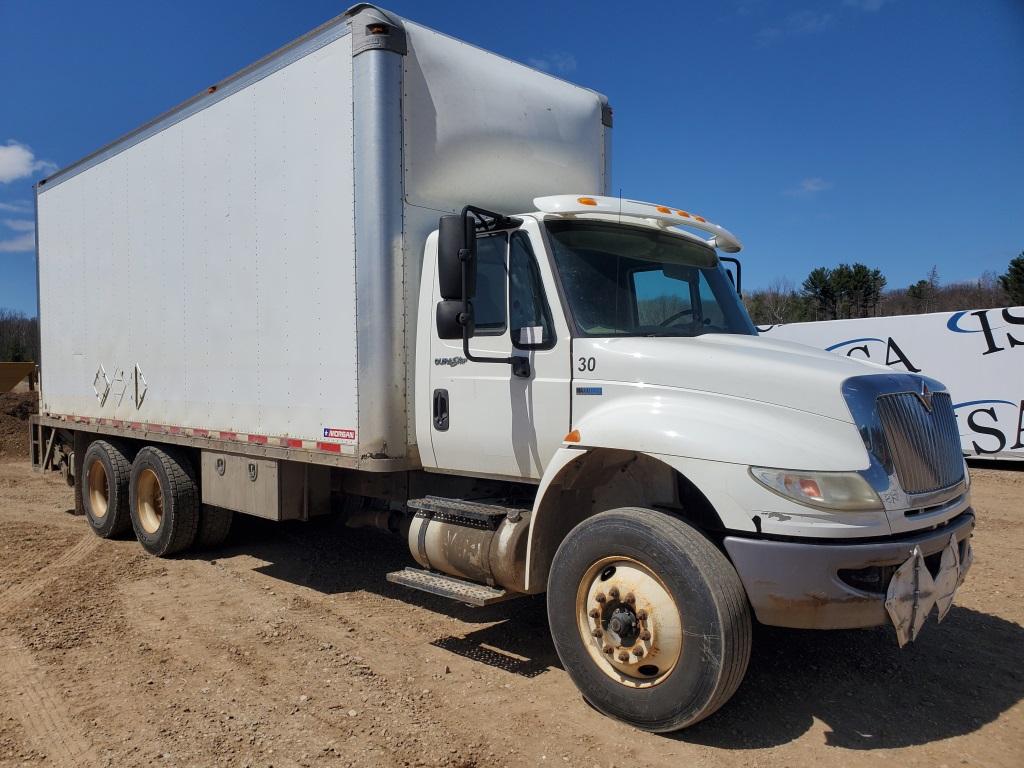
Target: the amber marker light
(572, 437)
(586, 201)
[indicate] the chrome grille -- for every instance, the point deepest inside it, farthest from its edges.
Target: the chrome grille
(924, 444)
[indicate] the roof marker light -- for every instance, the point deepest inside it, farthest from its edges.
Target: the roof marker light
(572, 437)
(642, 213)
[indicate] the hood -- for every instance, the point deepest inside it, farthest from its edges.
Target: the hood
(748, 367)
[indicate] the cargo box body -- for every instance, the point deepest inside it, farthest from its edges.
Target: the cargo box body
(248, 263)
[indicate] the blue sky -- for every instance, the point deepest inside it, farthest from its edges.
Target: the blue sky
(820, 131)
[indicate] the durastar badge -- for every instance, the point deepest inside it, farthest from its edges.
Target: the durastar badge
(449, 361)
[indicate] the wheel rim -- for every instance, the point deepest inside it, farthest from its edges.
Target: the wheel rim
(149, 501)
(629, 622)
(99, 490)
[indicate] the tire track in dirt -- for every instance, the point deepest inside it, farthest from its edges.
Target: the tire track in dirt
(224, 614)
(21, 592)
(35, 702)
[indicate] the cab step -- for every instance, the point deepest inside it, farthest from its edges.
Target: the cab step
(448, 586)
(483, 513)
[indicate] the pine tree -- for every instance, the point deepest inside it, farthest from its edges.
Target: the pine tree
(1013, 281)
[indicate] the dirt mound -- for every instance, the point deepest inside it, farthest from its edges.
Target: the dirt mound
(15, 410)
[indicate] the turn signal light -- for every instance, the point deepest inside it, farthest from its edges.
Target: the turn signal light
(572, 437)
(810, 489)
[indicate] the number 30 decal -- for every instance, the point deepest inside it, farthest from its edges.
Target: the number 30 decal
(586, 364)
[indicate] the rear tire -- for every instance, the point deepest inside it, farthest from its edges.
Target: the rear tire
(103, 488)
(649, 619)
(164, 501)
(214, 526)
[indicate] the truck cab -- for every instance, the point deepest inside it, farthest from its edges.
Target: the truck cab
(598, 349)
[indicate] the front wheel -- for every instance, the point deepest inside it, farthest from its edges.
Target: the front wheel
(649, 619)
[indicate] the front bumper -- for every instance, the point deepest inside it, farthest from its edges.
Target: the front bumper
(834, 586)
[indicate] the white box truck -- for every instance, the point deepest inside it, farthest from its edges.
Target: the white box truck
(378, 274)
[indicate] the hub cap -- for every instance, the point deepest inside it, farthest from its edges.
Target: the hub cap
(629, 622)
(149, 501)
(99, 490)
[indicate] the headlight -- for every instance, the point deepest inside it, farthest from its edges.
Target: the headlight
(844, 491)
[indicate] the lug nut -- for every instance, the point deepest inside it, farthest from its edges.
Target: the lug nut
(645, 635)
(629, 599)
(624, 656)
(613, 593)
(641, 614)
(638, 652)
(608, 649)
(593, 613)
(597, 633)
(600, 597)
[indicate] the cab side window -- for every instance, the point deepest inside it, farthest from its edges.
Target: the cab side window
(530, 316)
(489, 303)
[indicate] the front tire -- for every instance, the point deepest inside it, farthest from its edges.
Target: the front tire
(648, 618)
(164, 501)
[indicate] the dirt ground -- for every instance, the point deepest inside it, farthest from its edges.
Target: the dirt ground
(15, 409)
(288, 648)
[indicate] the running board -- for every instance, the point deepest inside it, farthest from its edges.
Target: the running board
(448, 586)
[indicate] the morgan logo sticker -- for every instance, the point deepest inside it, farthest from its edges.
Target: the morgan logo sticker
(345, 435)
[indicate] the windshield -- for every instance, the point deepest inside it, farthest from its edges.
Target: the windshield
(629, 281)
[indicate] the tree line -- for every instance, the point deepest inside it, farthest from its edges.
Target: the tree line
(19, 337)
(845, 291)
(855, 290)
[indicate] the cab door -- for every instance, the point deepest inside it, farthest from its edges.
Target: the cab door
(485, 420)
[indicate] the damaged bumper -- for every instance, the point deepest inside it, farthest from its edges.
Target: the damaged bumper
(818, 585)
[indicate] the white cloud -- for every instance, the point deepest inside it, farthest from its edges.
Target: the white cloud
(18, 161)
(19, 243)
(867, 5)
(20, 225)
(795, 25)
(556, 62)
(810, 186)
(18, 206)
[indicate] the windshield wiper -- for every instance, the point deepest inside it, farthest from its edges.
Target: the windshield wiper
(672, 334)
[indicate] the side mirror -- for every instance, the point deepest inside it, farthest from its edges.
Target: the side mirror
(456, 277)
(451, 318)
(456, 243)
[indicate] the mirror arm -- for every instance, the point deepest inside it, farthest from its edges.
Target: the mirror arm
(520, 365)
(739, 273)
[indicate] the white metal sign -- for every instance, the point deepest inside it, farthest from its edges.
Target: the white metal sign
(978, 354)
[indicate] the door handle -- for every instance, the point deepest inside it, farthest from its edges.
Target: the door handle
(441, 410)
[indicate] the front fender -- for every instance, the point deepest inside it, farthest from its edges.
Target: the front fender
(711, 440)
(708, 426)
